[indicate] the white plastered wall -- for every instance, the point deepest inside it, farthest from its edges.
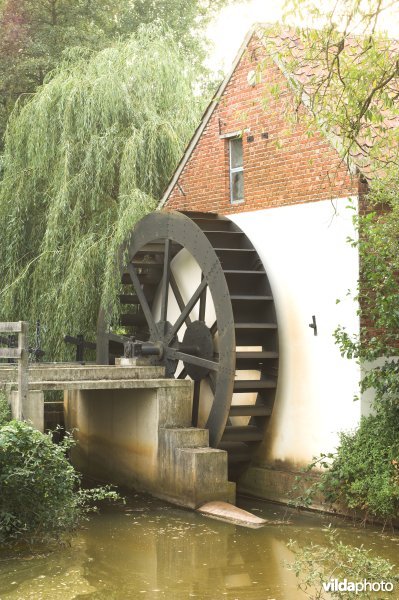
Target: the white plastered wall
(310, 265)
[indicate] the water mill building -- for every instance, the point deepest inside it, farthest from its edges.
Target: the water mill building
(294, 201)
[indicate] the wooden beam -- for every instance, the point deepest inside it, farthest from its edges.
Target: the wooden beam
(74, 340)
(11, 327)
(143, 301)
(186, 311)
(165, 282)
(113, 337)
(10, 353)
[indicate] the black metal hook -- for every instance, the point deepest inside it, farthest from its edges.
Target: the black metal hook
(313, 325)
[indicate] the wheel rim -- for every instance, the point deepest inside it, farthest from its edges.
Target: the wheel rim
(175, 231)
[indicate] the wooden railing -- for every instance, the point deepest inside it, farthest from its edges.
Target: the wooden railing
(81, 345)
(21, 354)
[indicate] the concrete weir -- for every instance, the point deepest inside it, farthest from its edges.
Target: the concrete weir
(134, 429)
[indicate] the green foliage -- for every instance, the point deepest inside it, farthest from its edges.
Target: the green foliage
(317, 564)
(84, 159)
(350, 91)
(39, 490)
(363, 474)
(377, 296)
(37, 484)
(5, 412)
(34, 36)
(352, 76)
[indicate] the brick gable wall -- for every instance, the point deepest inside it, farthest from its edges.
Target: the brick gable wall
(287, 168)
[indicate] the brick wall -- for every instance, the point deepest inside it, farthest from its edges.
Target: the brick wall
(287, 168)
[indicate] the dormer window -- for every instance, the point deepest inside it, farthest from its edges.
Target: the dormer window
(236, 170)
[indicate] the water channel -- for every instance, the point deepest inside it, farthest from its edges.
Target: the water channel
(149, 549)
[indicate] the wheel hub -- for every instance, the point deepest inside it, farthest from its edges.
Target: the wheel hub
(197, 340)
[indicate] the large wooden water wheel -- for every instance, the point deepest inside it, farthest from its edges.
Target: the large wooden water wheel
(195, 286)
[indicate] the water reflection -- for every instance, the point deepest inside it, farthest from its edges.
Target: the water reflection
(148, 549)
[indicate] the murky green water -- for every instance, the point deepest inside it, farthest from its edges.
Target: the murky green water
(149, 549)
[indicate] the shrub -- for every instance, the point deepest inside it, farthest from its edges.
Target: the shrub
(40, 496)
(316, 564)
(5, 412)
(363, 473)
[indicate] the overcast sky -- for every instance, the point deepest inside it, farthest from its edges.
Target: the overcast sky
(229, 29)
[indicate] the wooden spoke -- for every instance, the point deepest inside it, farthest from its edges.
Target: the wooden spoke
(191, 359)
(196, 398)
(213, 329)
(143, 300)
(178, 296)
(202, 304)
(186, 311)
(165, 281)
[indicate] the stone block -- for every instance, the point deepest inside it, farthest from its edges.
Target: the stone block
(169, 440)
(175, 404)
(201, 475)
(191, 473)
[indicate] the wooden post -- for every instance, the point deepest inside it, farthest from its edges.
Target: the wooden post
(80, 346)
(22, 354)
(22, 369)
(102, 350)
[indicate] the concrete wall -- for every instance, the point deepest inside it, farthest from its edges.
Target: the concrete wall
(143, 439)
(116, 439)
(32, 408)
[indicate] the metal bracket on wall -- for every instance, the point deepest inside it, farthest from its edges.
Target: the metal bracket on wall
(313, 325)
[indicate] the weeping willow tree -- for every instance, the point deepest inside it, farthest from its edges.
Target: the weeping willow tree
(84, 159)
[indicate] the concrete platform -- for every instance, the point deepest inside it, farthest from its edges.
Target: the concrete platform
(133, 428)
(44, 377)
(45, 374)
(137, 433)
(100, 384)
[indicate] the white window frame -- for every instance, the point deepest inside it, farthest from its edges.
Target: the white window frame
(233, 170)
